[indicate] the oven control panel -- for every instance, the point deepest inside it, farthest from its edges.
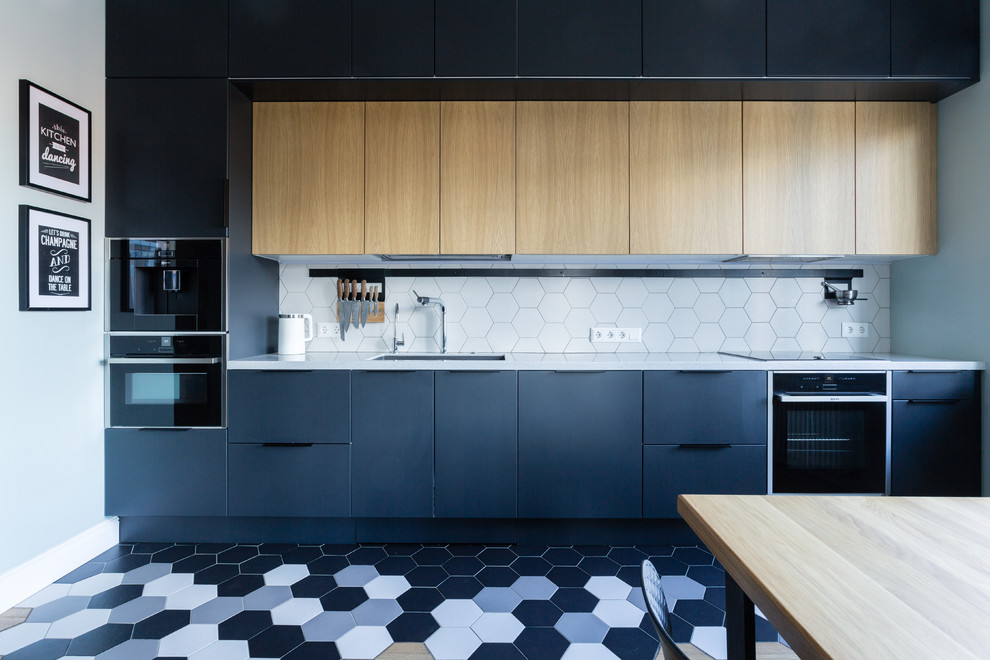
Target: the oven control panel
(816, 383)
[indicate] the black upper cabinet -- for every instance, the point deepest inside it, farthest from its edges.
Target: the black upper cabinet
(166, 157)
(835, 38)
(935, 39)
(290, 38)
(174, 39)
(476, 38)
(580, 38)
(704, 38)
(392, 39)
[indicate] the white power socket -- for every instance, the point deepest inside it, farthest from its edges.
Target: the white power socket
(328, 330)
(615, 335)
(855, 329)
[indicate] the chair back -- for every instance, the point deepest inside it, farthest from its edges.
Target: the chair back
(656, 604)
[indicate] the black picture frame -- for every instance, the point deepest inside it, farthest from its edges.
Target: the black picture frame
(56, 138)
(55, 261)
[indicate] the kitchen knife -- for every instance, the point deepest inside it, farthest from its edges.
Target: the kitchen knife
(364, 303)
(342, 310)
(355, 305)
(374, 299)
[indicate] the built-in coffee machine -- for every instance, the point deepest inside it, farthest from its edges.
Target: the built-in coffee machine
(165, 285)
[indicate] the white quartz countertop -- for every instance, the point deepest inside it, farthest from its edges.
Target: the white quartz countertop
(598, 362)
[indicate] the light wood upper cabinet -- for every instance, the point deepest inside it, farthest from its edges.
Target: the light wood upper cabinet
(402, 178)
(477, 177)
(895, 178)
(685, 177)
(572, 177)
(799, 178)
(308, 181)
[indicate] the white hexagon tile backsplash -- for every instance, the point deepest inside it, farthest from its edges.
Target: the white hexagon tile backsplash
(554, 314)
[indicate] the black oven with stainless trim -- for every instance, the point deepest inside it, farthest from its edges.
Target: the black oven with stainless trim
(165, 285)
(829, 433)
(165, 381)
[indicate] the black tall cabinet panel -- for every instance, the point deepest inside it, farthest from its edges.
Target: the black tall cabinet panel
(392, 444)
(836, 38)
(392, 39)
(174, 39)
(476, 38)
(166, 157)
(935, 39)
(580, 444)
(475, 444)
(580, 38)
(156, 472)
(290, 38)
(704, 38)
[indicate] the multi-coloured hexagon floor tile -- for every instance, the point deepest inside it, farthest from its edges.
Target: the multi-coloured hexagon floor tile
(214, 601)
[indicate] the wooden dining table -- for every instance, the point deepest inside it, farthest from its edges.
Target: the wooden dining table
(851, 576)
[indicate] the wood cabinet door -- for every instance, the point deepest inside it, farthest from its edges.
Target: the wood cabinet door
(402, 178)
(799, 177)
(308, 178)
(477, 177)
(572, 177)
(895, 178)
(685, 177)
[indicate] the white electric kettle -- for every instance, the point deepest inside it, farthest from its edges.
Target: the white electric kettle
(294, 330)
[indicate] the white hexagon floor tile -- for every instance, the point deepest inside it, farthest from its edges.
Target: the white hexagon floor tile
(618, 613)
(711, 640)
(497, 627)
(191, 597)
(457, 613)
(387, 586)
(453, 643)
(77, 624)
(364, 642)
(296, 611)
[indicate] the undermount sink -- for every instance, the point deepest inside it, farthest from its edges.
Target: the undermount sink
(443, 357)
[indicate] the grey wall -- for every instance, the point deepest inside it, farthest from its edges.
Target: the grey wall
(51, 392)
(939, 305)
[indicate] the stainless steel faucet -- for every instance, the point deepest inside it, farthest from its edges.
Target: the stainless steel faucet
(426, 300)
(396, 342)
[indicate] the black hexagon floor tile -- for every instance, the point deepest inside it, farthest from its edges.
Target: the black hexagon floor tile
(460, 587)
(162, 624)
(314, 651)
(344, 599)
(427, 576)
(395, 565)
(328, 565)
(541, 644)
(245, 625)
(631, 644)
(216, 574)
(237, 554)
(412, 627)
(537, 613)
(563, 556)
(497, 576)
(313, 586)
(275, 642)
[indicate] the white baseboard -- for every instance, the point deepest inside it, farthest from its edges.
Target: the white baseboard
(35, 574)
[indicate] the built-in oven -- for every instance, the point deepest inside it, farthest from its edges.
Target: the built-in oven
(829, 433)
(165, 381)
(165, 285)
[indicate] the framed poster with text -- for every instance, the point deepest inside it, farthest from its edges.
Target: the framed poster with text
(56, 143)
(55, 271)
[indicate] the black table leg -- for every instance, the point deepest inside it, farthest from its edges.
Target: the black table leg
(740, 622)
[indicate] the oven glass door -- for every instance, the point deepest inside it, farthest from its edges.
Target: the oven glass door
(829, 447)
(157, 393)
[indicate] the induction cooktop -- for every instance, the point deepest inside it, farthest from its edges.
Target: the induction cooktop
(773, 356)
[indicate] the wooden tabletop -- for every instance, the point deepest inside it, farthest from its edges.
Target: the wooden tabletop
(858, 577)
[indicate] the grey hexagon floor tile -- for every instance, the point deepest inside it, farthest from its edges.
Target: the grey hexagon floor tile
(376, 612)
(147, 573)
(497, 627)
(582, 627)
(328, 626)
(78, 624)
(136, 610)
(497, 599)
(132, 649)
(453, 643)
(224, 649)
(355, 576)
(58, 609)
(217, 610)
(188, 640)
(267, 597)
(532, 587)
(364, 642)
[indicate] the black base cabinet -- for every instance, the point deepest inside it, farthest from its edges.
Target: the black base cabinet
(392, 444)
(580, 444)
(155, 472)
(289, 480)
(703, 432)
(935, 439)
(475, 444)
(166, 157)
(671, 470)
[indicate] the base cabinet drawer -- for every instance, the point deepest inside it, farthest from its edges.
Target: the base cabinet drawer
(696, 407)
(289, 480)
(288, 406)
(933, 385)
(671, 470)
(935, 448)
(151, 472)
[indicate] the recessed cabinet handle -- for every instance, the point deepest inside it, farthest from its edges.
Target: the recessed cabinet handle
(577, 371)
(703, 445)
(287, 444)
(942, 401)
